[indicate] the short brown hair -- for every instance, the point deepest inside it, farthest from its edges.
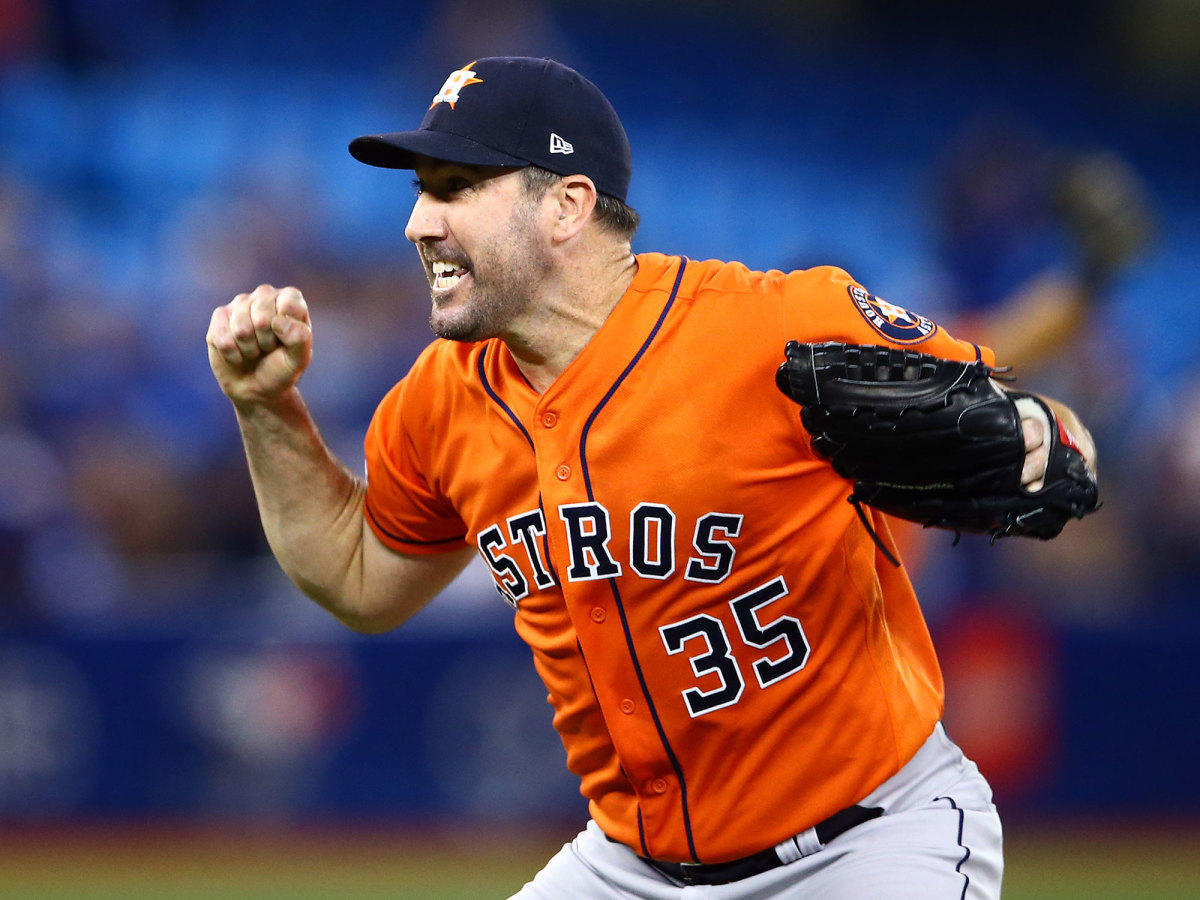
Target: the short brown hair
(613, 215)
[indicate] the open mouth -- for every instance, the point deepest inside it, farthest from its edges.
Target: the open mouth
(446, 275)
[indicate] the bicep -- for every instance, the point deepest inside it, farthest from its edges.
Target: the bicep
(826, 304)
(396, 585)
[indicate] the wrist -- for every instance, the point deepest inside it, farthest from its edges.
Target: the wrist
(254, 406)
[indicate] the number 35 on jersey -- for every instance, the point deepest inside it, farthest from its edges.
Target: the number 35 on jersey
(652, 529)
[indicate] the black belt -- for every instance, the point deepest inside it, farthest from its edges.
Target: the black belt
(764, 860)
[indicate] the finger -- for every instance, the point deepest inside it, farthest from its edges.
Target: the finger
(1035, 433)
(291, 303)
(1033, 472)
(291, 332)
(241, 326)
(220, 337)
(262, 310)
(1035, 425)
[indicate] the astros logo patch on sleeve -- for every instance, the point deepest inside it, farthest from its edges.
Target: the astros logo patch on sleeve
(894, 322)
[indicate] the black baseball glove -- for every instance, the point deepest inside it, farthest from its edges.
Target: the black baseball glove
(933, 440)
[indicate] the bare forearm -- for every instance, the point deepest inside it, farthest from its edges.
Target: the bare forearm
(309, 502)
(311, 505)
(312, 513)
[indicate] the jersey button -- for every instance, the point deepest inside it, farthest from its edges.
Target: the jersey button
(562, 473)
(549, 419)
(598, 614)
(627, 707)
(659, 785)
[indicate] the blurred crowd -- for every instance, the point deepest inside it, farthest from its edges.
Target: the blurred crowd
(137, 192)
(124, 494)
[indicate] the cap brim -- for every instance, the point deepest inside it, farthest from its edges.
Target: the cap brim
(400, 150)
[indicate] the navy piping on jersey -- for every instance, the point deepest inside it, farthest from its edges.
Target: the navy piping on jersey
(616, 592)
(496, 397)
(966, 849)
(674, 760)
(404, 540)
(483, 379)
(592, 685)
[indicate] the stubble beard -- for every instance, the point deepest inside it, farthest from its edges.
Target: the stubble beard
(511, 264)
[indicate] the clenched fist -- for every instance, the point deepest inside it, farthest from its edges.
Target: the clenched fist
(259, 344)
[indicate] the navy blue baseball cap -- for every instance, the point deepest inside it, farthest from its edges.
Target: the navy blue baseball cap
(514, 111)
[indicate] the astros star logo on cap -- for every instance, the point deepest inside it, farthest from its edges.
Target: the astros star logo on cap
(458, 80)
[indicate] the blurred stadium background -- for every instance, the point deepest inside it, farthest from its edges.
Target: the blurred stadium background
(175, 721)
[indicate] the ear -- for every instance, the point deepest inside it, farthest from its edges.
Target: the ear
(575, 198)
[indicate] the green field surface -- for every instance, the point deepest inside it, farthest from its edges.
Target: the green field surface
(190, 864)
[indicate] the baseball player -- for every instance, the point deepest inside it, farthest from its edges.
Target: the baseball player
(738, 669)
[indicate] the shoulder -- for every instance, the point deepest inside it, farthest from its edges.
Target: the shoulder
(442, 366)
(448, 361)
(715, 276)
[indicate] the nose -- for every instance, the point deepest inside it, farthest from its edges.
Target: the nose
(425, 222)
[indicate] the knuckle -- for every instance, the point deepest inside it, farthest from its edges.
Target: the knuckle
(227, 349)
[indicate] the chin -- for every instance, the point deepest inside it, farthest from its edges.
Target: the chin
(453, 328)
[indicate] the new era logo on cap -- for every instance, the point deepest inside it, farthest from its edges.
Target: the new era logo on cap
(513, 111)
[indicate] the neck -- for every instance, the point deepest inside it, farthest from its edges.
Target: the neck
(566, 321)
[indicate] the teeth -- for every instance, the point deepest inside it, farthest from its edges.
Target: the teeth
(445, 275)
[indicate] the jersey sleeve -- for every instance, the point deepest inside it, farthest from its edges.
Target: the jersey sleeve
(826, 304)
(401, 507)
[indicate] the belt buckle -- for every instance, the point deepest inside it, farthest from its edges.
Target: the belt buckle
(684, 875)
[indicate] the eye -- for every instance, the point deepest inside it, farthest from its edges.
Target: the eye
(444, 186)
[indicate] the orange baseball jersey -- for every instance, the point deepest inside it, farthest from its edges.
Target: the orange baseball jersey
(729, 656)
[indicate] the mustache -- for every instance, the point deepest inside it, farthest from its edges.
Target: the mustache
(458, 260)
